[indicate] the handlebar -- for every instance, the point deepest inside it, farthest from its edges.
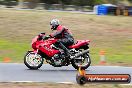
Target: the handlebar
(46, 37)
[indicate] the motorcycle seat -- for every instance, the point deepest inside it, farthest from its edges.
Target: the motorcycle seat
(79, 43)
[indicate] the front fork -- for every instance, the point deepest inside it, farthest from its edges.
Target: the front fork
(36, 52)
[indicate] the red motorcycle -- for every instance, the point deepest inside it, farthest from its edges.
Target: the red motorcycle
(45, 49)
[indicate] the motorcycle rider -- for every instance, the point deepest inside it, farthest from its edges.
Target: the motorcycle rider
(63, 34)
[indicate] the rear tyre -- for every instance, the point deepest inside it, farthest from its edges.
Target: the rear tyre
(33, 61)
(85, 66)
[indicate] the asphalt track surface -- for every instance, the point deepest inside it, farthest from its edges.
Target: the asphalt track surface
(13, 72)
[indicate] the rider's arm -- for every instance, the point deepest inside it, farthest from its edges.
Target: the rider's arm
(59, 32)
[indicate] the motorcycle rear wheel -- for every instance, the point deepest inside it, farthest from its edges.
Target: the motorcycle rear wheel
(33, 61)
(87, 58)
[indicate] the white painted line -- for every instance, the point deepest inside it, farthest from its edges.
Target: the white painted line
(109, 66)
(21, 81)
(40, 82)
(66, 82)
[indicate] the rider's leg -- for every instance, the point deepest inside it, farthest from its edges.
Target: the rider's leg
(61, 44)
(64, 43)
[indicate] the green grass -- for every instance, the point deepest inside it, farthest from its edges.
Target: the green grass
(110, 33)
(13, 50)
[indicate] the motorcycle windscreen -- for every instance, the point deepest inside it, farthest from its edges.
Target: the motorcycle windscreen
(34, 40)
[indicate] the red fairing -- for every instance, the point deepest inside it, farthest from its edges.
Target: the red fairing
(34, 42)
(47, 49)
(44, 46)
(80, 43)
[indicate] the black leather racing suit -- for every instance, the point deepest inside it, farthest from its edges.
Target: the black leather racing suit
(65, 37)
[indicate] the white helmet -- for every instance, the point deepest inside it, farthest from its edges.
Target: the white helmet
(54, 23)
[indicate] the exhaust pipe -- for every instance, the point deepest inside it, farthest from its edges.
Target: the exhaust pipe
(79, 54)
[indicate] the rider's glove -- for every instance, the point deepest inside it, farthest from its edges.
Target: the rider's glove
(40, 36)
(46, 37)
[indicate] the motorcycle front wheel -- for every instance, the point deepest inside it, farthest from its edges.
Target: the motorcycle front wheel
(32, 60)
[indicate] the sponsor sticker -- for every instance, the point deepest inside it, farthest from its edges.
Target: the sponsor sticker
(114, 78)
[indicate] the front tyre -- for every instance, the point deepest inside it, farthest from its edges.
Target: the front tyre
(32, 60)
(84, 62)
